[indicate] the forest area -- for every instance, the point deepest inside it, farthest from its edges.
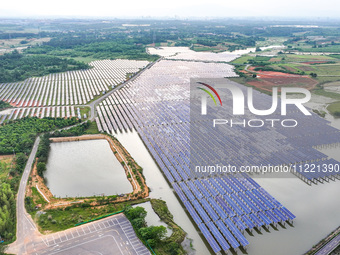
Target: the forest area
(16, 66)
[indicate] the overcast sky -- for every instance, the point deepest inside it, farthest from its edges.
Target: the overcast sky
(171, 8)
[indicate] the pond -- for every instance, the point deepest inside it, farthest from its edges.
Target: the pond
(152, 218)
(85, 168)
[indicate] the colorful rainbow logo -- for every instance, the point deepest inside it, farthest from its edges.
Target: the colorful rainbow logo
(209, 93)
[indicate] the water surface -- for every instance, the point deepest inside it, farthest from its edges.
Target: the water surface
(85, 168)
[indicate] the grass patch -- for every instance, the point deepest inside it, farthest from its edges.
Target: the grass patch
(332, 48)
(92, 129)
(84, 110)
(334, 109)
(200, 49)
(37, 197)
(5, 167)
(327, 69)
(63, 218)
(242, 60)
(306, 58)
(326, 79)
(322, 92)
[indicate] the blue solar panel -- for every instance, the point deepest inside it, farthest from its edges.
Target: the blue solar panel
(179, 192)
(248, 202)
(196, 192)
(288, 213)
(217, 186)
(256, 220)
(248, 222)
(192, 212)
(186, 190)
(239, 223)
(217, 208)
(212, 191)
(216, 248)
(265, 218)
(280, 214)
(226, 233)
(243, 241)
(244, 206)
(209, 210)
(202, 189)
(225, 206)
(272, 216)
(200, 211)
(256, 201)
(224, 185)
(225, 246)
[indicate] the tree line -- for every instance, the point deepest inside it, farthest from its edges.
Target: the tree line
(7, 213)
(19, 135)
(15, 66)
(153, 235)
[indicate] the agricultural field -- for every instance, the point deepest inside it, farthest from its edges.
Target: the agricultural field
(266, 80)
(7, 45)
(288, 69)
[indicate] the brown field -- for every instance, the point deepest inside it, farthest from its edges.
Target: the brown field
(266, 80)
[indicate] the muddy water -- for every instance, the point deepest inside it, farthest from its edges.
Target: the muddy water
(152, 218)
(317, 208)
(160, 187)
(85, 168)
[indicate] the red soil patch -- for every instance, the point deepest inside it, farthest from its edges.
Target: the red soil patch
(268, 79)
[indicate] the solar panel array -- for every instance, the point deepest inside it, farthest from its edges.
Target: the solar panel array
(69, 88)
(40, 112)
(264, 145)
(184, 53)
(156, 104)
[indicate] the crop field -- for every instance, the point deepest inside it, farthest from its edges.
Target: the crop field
(307, 58)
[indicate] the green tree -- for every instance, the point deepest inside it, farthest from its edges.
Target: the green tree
(41, 168)
(156, 233)
(134, 213)
(20, 162)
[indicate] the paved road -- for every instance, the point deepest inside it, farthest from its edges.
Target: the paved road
(94, 103)
(112, 236)
(26, 228)
(330, 246)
